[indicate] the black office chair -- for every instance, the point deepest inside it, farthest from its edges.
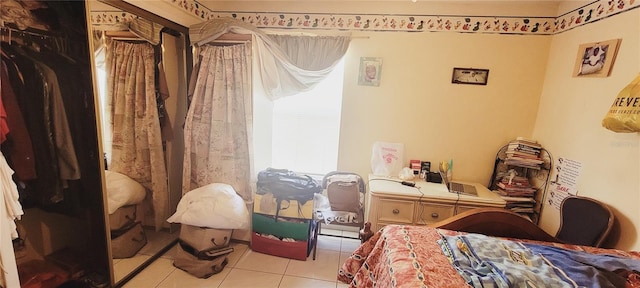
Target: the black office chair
(584, 221)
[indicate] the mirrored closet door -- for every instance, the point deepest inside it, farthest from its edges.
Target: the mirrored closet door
(141, 75)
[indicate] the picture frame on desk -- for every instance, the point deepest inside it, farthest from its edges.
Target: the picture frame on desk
(470, 76)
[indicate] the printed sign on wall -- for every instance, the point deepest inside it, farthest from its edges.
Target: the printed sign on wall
(563, 181)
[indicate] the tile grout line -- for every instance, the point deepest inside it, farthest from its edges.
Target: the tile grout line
(225, 276)
(166, 276)
(232, 268)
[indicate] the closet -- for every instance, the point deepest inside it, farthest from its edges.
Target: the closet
(50, 143)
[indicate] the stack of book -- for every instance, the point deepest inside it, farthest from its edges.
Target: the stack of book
(524, 153)
(518, 194)
(517, 187)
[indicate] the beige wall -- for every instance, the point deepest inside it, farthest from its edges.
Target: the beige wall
(569, 123)
(416, 103)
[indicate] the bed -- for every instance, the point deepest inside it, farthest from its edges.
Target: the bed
(486, 247)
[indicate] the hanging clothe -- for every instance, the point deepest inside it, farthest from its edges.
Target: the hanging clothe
(163, 95)
(20, 149)
(49, 105)
(29, 85)
(10, 210)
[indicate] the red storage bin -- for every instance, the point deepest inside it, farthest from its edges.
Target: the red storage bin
(298, 250)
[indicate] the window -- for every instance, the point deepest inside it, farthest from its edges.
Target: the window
(306, 127)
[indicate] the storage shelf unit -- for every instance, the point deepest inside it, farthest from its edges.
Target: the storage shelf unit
(520, 176)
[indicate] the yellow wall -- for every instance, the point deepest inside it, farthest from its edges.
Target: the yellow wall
(530, 93)
(569, 123)
(416, 103)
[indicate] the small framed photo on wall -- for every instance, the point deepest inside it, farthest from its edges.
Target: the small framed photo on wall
(370, 71)
(596, 59)
(470, 76)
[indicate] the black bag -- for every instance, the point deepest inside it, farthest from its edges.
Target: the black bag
(286, 185)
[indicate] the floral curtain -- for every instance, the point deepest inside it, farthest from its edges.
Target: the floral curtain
(136, 148)
(287, 65)
(219, 120)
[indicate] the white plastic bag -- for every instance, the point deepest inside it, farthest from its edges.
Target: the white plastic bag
(215, 206)
(386, 158)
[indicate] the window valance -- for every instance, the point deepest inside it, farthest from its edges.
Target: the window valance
(287, 64)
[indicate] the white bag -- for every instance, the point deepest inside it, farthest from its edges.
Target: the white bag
(216, 205)
(386, 158)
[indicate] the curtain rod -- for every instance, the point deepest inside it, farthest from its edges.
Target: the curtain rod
(123, 35)
(231, 41)
(7, 29)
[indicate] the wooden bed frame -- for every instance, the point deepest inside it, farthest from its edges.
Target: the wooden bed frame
(496, 222)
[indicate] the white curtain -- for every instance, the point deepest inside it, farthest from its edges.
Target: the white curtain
(288, 64)
(136, 144)
(219, 121)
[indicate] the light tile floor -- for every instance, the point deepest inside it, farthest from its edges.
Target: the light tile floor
(247, 268)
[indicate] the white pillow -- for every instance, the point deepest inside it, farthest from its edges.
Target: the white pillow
(216, 205)
(122, 191)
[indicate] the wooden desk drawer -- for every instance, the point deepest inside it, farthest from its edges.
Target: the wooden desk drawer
(431, 213)
(396, 211)
(464, 208)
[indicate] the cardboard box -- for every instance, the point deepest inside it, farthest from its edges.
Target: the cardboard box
(266, 204)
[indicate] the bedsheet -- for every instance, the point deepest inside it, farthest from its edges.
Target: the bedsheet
(417, 256)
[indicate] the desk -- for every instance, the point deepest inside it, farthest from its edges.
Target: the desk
(393, 203)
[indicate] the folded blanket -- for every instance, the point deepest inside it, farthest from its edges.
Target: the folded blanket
(491, 262)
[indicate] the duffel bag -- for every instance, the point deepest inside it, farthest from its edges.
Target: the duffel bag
(286, 184)
(201, 268)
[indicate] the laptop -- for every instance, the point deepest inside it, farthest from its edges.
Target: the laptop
(459, 188)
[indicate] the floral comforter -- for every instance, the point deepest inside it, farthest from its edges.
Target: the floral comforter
(413, 256)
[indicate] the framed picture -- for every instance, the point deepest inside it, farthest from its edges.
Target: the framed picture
(370, 71)
(470, 76)
(595, 59)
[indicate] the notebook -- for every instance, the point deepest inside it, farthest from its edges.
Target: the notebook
(459, 188)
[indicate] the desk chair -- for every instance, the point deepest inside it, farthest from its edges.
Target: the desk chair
(345, 192)
(584, 221)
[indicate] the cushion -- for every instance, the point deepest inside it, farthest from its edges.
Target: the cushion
(122, 191)
(215, 205)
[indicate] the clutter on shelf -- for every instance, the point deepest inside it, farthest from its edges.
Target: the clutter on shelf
(520, 175)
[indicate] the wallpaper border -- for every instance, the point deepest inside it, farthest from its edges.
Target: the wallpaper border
(597, 10)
